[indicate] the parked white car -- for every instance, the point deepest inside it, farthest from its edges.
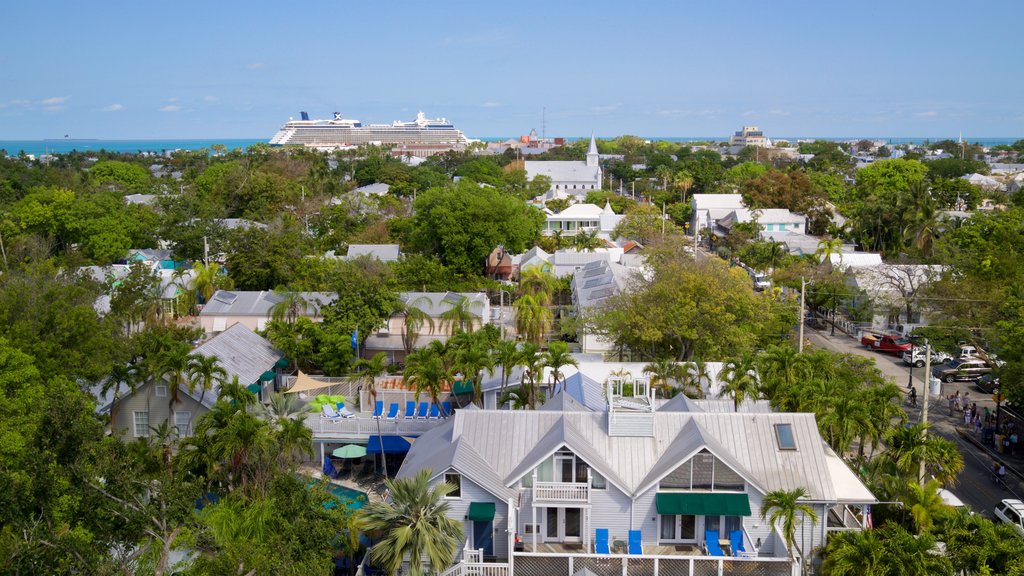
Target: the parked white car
(1011, 511)
(916, 357)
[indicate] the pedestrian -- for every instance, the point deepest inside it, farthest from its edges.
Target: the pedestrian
(1013, 444)
(967, 415)
(1006, 444)
(977, 424)
(988, 415)
(956, 401)
(965, 400)
(950, 400)
(913, 396)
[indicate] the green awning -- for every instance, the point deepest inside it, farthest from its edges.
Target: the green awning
(481, 511)
(268, 376)
(281, 363)
(462, 387)
(254, 388)
(702, 503)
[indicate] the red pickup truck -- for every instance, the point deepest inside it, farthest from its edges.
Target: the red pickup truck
(887, 343)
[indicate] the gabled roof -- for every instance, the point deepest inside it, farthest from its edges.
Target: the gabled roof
(382, 252)
(253, 303)
(242, 353)
(589, 211)
(564, 402)
(437, 303)
(563, 170)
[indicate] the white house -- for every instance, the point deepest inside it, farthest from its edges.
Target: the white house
(568, 486)
(592, 285)
(569, 178)
(583, 218)
(255, 308)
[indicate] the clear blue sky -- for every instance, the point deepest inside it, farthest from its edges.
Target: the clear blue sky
(233, 69)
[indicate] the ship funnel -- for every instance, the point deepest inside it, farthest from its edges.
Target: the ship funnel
(337, 115)
(304, 115)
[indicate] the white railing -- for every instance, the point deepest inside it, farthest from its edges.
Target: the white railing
(559, 564)
(477, 569)
(561, 491)
(364, 426)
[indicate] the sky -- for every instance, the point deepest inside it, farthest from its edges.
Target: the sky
(240, 69)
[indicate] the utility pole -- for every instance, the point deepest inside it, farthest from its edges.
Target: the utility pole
(924, 409)
(662, 218)
(206, 252)
(803, 286)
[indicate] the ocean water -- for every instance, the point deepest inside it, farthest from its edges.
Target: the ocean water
(60, 146)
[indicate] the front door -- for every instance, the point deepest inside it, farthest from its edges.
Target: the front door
(563, 524)
(483, 537)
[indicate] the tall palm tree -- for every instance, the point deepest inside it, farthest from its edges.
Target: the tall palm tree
(907, 447)
(507, 356)
(664, 370)
(128, 374)
(415, 524)
(415, 320)
(172, 365)
(533, 362)
(925, 504)
(459, 315)
(783, 509)
(556, 358)
(828, 247)
(472, 355)
(367, 372)
(209, 279)
(739, 380)
(925, 218)
(294, 437)
(280, 407)
(683, 181)
(533, 318)
(781, 366)
(695, 377)
(847, 418)
(540, 284)
(426, 370)
(203, 372)
(586, 241)
(664, 172)
(292, 304)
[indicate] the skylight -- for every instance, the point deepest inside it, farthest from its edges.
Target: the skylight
(784, 436)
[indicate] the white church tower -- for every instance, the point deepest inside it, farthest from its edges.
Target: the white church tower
(592, 155)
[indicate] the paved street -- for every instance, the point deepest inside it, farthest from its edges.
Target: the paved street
(975, 487)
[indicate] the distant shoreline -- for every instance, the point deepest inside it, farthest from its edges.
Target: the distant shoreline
(65, 145)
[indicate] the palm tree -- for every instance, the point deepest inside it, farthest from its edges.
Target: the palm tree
(415, 524)
(209, 279)
(739, 380)
(459, 315)
(472, 355)
(172, 365)
(695, 377)
(533, 318)
(237, 394)
(128, 374)
(533, 361)
(665, 173)
(855, 553)
(507, 356)
(925, 219)
(519, 396)
(781, 366)
(826, 248)
(367, 372)
(844, 421)
(782, 507)
(203, 372)
(294, 437)
(415, 320)
(291, 305)
(280, 407)
(925, 504)
(555, 358)
(425, 369)
(683, 181)
(536, 282)
(586, 241)
(908, 446)
(662, 370)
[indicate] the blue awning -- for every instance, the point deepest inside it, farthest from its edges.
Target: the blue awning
(391, 444)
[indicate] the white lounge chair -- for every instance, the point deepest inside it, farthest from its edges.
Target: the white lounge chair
(345, 413)
(330, 413)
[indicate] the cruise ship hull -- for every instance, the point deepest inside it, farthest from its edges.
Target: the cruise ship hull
(420, 138)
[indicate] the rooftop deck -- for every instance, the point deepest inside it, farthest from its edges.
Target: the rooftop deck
(363, 425)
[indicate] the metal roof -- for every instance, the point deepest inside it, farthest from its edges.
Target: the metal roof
(242, 353)
(253, 303)
(511, 443)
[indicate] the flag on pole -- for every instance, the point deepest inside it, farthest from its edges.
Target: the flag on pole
(355, 339)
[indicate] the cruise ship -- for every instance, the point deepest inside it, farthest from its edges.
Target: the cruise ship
(422, 137)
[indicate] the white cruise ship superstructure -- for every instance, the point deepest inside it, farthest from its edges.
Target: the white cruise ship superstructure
(422, 137)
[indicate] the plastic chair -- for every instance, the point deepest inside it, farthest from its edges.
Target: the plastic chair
(446, 409)
(378, 409)
(410, 409)
(392, 411)
(601, 541)
(711, 542)
(422, 411)
(736, 542)
(635, 542)
(434, 412)
(345, 412)
(328, 412)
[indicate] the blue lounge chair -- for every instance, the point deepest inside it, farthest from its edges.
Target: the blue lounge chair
(410, 409)
(392, 411)
(635, 545)
(446, 409)
(601, 541)
(378, 409)
(422, 412)
(711, 542)
(736, 542)
(434, 412)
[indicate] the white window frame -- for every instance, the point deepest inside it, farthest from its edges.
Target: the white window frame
(135, 424)
(677, 530)
(457, 495)
(187, 425)
(160, 391)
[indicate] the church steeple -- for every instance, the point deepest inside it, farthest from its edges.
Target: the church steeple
(592, 155)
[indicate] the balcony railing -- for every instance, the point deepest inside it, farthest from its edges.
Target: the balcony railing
(542, 564)
(561, 492)
(363, 426)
